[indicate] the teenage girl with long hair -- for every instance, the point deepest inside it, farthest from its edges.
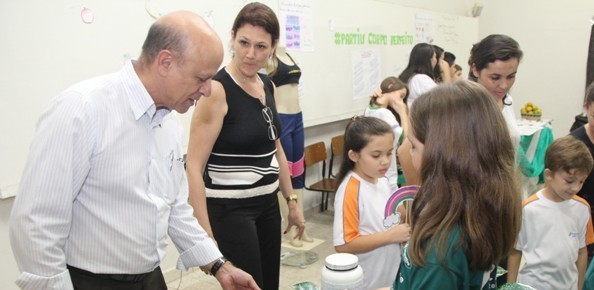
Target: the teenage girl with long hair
(467, 212)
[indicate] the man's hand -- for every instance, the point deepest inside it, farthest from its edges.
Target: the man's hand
(232, 278)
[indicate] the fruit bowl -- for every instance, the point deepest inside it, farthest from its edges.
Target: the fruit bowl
(531, 111)
(532, 117)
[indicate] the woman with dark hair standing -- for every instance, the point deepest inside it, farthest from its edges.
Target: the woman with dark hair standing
(442, 69)
(235, 161)
(418, 74)
(494, 63)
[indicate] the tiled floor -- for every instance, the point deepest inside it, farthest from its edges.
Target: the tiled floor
(319, 226)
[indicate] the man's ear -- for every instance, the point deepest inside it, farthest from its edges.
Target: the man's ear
(164, 62)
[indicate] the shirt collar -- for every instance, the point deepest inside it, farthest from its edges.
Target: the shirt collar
(140, 100)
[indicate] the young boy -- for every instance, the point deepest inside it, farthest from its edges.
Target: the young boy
(556, 224)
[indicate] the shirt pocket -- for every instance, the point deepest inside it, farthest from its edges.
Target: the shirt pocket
(178, 172)
(168, 177)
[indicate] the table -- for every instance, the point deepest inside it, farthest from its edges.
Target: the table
(536, 138)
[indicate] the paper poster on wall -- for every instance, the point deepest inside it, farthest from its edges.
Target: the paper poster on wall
(447, 28)
(293, 32)
(424, 31)
(366, 66)
(296, 20)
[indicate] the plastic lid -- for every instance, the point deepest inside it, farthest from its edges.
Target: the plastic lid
(342, 262)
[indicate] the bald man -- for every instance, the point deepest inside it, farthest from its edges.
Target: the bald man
(105, 184)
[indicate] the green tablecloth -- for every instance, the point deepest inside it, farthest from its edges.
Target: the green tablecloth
(533, 166)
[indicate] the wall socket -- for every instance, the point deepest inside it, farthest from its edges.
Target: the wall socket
(8, 191)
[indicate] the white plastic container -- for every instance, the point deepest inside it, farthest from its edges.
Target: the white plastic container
(342, 271)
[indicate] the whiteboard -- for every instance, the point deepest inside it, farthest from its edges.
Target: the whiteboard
(47, 47)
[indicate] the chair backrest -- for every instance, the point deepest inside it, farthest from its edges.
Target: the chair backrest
(337, 145)
(315, 153)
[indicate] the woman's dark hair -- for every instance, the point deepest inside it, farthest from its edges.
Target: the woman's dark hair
(589, 98)
(437, 69)
(357, 134)
(419, 62)
(258, 14)
(491, 48)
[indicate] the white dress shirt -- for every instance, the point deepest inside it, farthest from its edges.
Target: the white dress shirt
(103, 187)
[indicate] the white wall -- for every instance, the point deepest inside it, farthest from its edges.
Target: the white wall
(554, 38)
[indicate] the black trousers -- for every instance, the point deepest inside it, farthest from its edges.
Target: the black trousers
(85, 280)
(247, 231)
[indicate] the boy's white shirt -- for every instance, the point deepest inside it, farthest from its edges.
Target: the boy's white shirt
(551, 236)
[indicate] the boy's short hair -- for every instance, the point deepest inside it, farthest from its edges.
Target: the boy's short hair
(568, 153)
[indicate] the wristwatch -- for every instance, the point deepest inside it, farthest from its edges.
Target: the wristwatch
(217, 265)
(292, 197)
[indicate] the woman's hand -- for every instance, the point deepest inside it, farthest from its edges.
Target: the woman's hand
(295, 218)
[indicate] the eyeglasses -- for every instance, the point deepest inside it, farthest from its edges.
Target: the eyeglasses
(267, 113)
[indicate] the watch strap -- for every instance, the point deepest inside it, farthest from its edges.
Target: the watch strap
(217, 265)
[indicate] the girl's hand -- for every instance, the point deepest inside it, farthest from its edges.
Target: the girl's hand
(400, 233)
(444, 67)
(377, 92)
(397, 103)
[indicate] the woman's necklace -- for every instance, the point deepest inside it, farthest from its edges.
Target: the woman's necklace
(246, 85)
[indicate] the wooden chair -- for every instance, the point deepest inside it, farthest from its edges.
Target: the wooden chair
(336, 146)
(316, 154)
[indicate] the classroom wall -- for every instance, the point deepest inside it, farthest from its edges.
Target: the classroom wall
(553, 36)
